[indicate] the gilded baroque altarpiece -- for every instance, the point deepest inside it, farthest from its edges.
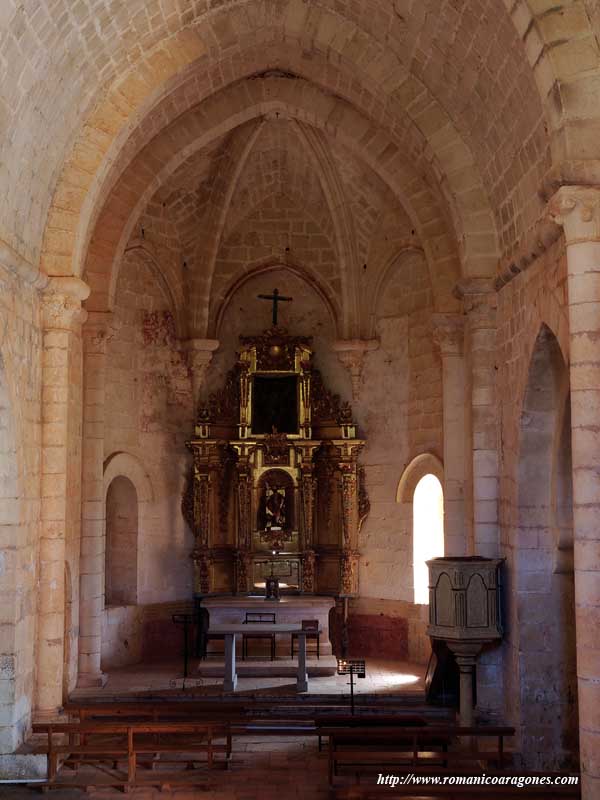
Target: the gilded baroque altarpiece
(276, 487)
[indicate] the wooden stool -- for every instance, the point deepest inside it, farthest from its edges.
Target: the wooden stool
(258, 618)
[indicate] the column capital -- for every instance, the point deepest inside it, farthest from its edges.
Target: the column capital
(577, 210)
(61, 303)
(201, 350)
(351, 354)
(200, 353)
(448, 333)
(98, 330)
(479, 300)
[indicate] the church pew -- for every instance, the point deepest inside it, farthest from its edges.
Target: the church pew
(377, 748)
(98, 743)
(366, 719)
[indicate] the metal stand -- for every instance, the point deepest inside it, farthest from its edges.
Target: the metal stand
(351, 667)
(185, 620)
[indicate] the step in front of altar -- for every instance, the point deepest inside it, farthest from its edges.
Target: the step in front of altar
(281, 668)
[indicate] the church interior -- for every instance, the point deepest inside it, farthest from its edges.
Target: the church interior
(297, 296)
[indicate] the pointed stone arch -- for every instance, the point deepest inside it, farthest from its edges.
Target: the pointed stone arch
(541, 637)
(302, 272)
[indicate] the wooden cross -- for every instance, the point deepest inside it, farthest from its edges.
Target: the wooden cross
(275, 298)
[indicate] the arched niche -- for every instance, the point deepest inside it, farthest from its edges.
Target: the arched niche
(274, 512)
(542, 605)
(121, 554)
(128, 496)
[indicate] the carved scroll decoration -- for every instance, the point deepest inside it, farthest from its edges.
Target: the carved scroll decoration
(308, 571)
(243, 572)
(244, 509)
(364, 504)
(201, 508)
(187, 503)
(349, 572)
(308, 506)
(326, 406)
(275, 348)
(223, 406)
(349, 491)
(277, 449)
(202, 562)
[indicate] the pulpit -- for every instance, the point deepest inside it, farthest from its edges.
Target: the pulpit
(276, 489)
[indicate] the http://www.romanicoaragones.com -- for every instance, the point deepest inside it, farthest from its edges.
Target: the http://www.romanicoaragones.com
(516, 781)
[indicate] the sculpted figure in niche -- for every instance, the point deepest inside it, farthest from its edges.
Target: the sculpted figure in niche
(274, 508)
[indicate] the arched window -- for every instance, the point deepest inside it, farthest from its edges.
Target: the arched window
(428, 532)
(121, 543)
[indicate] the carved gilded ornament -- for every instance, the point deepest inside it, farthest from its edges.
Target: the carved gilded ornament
(201, 509)
(308, 505)
(349, 496)
(308, 571)
(349, 572)
(234, 468)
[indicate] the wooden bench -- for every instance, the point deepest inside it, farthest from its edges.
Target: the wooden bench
(240, 719)
(366, 719)
(99, 743)
(157, 711)
(408, 749)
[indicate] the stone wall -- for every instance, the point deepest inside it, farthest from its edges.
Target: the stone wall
(20, 438)
(149, 417)
(400, 408)
(398, 411)
(536, 514)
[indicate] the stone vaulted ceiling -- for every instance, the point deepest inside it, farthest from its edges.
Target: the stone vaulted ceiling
(439, 126)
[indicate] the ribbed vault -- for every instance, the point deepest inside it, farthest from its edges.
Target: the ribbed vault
(468, 115)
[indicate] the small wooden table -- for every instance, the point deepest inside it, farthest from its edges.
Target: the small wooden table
(231, 631)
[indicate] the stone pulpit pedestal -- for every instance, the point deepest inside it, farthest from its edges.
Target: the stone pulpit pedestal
(464, 612)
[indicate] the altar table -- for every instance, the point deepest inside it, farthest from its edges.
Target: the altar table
(231, 631)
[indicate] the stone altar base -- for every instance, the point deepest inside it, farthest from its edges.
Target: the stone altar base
(289, 610)
(282, 668)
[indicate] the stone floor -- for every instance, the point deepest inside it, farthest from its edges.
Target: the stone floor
(286, 768)
(383, 677)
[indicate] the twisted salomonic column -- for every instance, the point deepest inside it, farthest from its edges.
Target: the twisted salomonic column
(479, 299)
(62, 316)
(96, 334)
(448, 334)
(577, 209)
